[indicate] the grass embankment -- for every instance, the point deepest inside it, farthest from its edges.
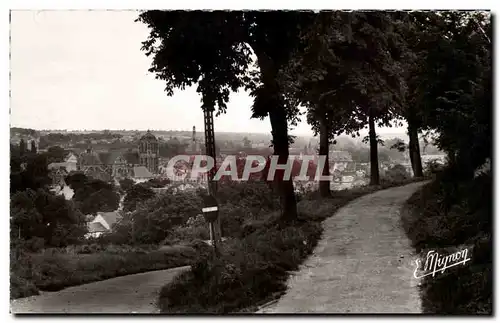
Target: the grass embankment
(254, 265)
(57, 268)
(466, 221)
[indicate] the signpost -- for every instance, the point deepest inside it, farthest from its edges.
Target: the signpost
(211, 209)
(211, 214)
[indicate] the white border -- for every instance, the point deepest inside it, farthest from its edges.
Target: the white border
(185, 4)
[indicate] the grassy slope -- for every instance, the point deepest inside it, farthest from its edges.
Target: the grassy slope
(462, 289)
(54, 269)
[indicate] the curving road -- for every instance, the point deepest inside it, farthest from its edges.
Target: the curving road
(363, 263)
(127, 294)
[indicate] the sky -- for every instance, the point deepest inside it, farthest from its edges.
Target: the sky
(80, 70)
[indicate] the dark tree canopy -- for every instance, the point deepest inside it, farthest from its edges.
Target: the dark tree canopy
(213, 49)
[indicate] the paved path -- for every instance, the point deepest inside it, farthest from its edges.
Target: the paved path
(363, 264)
(127, 294)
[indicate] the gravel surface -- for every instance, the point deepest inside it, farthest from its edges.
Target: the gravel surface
(127, 294)
(363, 263)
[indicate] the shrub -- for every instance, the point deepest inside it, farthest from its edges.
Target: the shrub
(182, 233)
(432, 166)
(240, 279)
(397, 173)
(21, 287)
(451, 213)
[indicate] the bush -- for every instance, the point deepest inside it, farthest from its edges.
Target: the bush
(450, 213)
(21, 287)
(241, 279)
(187, 234)
(397, 173)
(432, 167)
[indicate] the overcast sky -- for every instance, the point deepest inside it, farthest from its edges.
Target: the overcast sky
(85, 70)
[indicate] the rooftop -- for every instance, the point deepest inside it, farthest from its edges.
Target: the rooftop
(149, 136)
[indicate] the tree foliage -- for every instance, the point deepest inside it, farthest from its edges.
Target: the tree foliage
(40, 214)
(136, 195)
(456, 88)
(27, 171)
(213, 50)
(92, 195)
(153, 220)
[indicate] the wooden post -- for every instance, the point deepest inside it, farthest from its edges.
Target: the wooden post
(212, 185)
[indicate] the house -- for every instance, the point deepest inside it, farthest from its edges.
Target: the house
(63, 190)
(95, 230)
(71, 161)
(141, 174)
(107, 219)
(57, 173)
(70, 164)
(339, 160)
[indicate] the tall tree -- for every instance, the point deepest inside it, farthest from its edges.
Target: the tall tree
(33, 147)
(214, 50)
(22, 146)
(38, 213)
(417, 31)
(346, 75)
(456, 85)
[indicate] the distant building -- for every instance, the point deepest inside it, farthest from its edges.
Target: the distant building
(439, 158)
(57, 173)
(339, 160)
(194, 147)
(149, 152)
(102, 223)
(70, 164)
(63, 190)
(141, 174)
(108, 165)
(107, 219)
(15, 139)
(95, 230)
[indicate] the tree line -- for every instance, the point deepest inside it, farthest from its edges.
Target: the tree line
(349, 69)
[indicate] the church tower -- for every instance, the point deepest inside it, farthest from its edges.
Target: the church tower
(195, 145)
(149, 152)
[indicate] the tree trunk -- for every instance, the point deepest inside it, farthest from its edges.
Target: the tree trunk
(374, 172)
(279, 127)
(414, 151)
(324, 185)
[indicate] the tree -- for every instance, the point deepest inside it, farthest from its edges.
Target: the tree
(415, 29)
(447, 59)
(214, 50)
(76, 180)
(347, 75)
(22, 147)
(33, 147)
(126, 184)
(153, 219)
(28, 171)
(55, 154)
(397, 173)
(135, 195)
(92, 195)
(41, 214)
